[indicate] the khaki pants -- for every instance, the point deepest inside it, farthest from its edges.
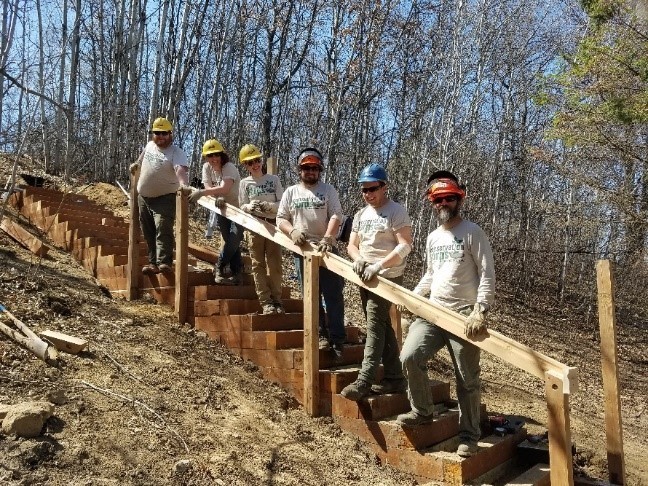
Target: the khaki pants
(266, 268)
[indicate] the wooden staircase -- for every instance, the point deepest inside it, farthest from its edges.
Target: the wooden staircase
(230, 315)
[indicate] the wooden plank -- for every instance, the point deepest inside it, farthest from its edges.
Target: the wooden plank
(311, 334)
(202, 253)
(560, 446)
(133, 272)
(610, 366)
(538, 475)
(395, 318)
(65, 342)
(182, 256)
(493, 342)
(24, 237)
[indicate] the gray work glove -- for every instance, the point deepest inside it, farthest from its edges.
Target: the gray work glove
(297, 236)
(248, 208)
(358, 266)
(195, 194)
(370, 271)
(476, 321)
(134, 167)
(325, 244)
(220, 202)
(256, 206)
(264, 206)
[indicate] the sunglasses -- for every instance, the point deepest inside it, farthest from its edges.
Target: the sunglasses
(160, 134)
(215, 154)
(439, 200)
(253, 162)
(366, 190)
(310, 168)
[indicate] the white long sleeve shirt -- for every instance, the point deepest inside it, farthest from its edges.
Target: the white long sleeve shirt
(460, 267)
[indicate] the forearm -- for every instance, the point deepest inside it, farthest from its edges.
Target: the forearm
(332, 227)
(182, 173)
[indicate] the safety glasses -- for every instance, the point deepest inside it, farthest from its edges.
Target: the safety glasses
(253, 162)
(310, 168)
(440, 199)
(367, 190)
(160, 134)
(214, 154)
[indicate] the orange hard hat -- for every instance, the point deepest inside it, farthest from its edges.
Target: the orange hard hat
(444, 187)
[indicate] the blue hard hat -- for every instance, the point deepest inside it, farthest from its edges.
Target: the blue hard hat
(373, 173)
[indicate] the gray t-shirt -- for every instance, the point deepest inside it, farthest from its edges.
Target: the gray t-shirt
(376, 228)
(157, 175)
(310, 208)
(266, 188)
(460, 268)
(214, 177)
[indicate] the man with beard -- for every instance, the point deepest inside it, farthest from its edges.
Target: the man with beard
(460, 276)
(164, 170)
(311, 211)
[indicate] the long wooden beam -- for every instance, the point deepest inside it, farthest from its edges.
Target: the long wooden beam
(495, 343)
(181, 256)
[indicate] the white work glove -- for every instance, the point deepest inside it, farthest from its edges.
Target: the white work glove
(220, 202)
(248, 208)
(297, 236)
(476, 321)
(134, 167)
(195, 194)
(370, 271)
(325, 244)
(359, 266)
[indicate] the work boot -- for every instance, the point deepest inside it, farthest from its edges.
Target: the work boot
(235, 279)
(268, 309)
(467, 448)
(356, 391)
(219, 278)
(324, 344)
(166, 269)
(390, 386)
(338, 350)
(412, 419)
(279, 308)
(150, 269)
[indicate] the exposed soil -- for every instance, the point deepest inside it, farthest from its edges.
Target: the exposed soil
(149, 393)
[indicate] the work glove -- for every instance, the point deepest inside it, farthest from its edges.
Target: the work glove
(358, 266)
(219, 202)
(325, 244)
(133, 168)
(248, 208)
(370, 271)
(297, 236)
(195, 194)
(476, 321)
(263, 206)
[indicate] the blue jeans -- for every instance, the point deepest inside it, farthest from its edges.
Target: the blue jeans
(423, 341)
(231, 252)
(331, 286)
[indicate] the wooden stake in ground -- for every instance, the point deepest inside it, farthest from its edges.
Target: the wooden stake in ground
(610, 360)
(24, 237)
(28, 339)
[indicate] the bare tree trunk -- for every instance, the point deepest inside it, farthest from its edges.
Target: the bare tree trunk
(74, 69)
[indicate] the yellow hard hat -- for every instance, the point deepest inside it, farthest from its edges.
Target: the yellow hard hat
(161, 125)
(212, 146)
(249, 152)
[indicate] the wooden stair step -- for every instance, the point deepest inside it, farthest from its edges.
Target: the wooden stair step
(378, 407)
(538, 475)
(251, 306)
(211, 292)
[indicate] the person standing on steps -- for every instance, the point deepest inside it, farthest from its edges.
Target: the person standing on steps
(381, 239)
(311, 212)
(460, 276)
(163, 172)
(259, 195)
(221, 179)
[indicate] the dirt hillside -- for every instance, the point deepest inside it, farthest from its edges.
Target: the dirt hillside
(151, 402)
